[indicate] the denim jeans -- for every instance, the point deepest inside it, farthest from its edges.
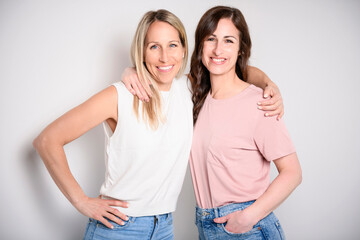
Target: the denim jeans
(267, 228)
(136, 228)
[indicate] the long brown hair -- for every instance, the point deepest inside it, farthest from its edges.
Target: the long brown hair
(151, 111)
(199, 75)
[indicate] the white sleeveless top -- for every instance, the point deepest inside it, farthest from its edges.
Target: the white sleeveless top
(144, 167)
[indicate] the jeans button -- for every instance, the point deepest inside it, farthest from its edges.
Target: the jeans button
(205, 213)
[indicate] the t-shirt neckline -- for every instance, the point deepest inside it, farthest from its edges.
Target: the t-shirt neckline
(223, 100)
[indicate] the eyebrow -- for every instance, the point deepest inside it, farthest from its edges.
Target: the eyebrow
(158, 42)
(230, 36)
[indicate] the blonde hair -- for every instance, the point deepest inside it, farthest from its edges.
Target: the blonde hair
(151, 111)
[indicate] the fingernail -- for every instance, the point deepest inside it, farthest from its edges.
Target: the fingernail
(265, 95)
(259, 103)
(122, 223)
(126, 218)
(112, 227)
(259, 107)
(266, 114)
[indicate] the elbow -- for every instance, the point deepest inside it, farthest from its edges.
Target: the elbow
(44, 142)
(299, 177)
(40, 142)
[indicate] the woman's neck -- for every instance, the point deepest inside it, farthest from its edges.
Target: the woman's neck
(226, 85)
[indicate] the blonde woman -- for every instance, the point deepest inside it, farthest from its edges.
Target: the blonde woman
(147, 143)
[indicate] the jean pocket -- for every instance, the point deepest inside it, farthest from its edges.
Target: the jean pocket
(254, 231)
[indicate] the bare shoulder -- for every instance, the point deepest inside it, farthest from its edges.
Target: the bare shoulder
(103, 102)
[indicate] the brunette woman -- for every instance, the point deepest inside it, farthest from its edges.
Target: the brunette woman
(233, 143)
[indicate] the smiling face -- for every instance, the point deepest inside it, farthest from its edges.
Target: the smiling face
(221, 49)
(163, 53)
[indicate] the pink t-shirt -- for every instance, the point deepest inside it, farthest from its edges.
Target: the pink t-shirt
(233, 144)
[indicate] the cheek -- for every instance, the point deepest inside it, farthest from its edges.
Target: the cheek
(178, 56)
(150, 57)
(203, 59)
(232, 51)
(206, 51)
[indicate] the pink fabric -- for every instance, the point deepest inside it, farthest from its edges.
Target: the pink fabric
(233, 144)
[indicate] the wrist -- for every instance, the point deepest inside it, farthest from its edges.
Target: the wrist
(76, 201)
(253, 214)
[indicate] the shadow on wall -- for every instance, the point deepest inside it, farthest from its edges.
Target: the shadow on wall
(49, 211)
(85, 157)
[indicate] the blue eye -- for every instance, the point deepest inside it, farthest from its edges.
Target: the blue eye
(153, 47)
(173, 45)
(229, 41)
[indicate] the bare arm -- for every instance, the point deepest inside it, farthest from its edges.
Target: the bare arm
(50, 146)
(257, 77)
(288, 179)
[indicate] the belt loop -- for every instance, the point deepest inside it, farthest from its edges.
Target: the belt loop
(216, 212)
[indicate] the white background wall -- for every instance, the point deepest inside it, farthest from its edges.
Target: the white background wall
(56, 54)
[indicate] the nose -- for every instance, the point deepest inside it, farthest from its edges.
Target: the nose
(217, 48)
(163, 56)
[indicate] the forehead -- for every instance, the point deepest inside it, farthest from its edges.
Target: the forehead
(162, 32)
(226, 27)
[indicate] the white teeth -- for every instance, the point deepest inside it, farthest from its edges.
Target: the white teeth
(165, 68)
(218, 60)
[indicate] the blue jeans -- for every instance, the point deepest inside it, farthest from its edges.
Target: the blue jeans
(267, 228)
(136, 228)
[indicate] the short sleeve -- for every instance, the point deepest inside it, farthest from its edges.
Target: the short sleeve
(272, 138)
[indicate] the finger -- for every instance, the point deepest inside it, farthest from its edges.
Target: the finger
(267, 92)
(117, 213)
(137, 91)
(273, 107)
(148, 89)
(114, 219)
(117, 203)
(269, 101)
(221, 219)
(272, 113)
(280, 115)
(105, 222)
(143, 92)
(128, 86)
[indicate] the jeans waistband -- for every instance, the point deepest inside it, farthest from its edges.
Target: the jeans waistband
(211, 213)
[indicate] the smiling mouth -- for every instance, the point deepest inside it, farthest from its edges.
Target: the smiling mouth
(165, 68)
(218, 60)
